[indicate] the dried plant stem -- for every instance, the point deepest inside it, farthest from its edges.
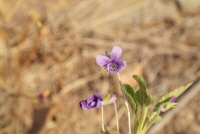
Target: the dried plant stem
(129, 117)
(116, 115)
(128, 111)
(102, 119)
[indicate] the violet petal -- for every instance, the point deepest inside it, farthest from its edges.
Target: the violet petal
(90, 99)
(102, 60)
(173, 99)
(110, 69)
(120, 63)
(83, 104)
(97, 104)
(116, 53)
(98, 96)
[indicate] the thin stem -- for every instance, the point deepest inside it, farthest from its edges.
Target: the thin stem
(116, 115)
(122, 88)
(102, 119)
(128, 111)
(129, 117)
(135, 124)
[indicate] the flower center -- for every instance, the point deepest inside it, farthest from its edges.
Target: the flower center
(113, 67)
(93, 103)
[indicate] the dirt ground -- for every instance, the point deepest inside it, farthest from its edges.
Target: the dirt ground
(50, 47)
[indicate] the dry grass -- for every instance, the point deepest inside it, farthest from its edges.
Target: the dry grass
(52, 45)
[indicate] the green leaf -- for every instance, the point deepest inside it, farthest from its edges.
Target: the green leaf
(129, 89)
(141, 96)
(151, 119)
(158, 119)
(175, 92)
(138, 97)
(166, 98)
(141, 82)
(170, 105)
(130, 96)
(150, 100)
(131, 102)
(108, 130)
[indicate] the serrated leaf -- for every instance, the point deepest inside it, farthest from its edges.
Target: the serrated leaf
(166, 98)
(175, 92)
(108, 130)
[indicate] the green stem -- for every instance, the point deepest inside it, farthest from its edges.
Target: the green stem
(135, 119)
(142, 120)
(135, 123)
(150, 123)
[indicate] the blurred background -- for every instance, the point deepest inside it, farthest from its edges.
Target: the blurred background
(50, 46)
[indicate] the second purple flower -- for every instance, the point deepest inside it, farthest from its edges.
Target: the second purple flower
(113, 62)
(97, 100)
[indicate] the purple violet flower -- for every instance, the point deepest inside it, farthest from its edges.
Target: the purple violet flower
(173, 99)
(96, 101)
(113, 62)
(41, 96)
(169, 105)
(92, 102)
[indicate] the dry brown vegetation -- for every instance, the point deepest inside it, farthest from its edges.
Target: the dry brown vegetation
(51, 45)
